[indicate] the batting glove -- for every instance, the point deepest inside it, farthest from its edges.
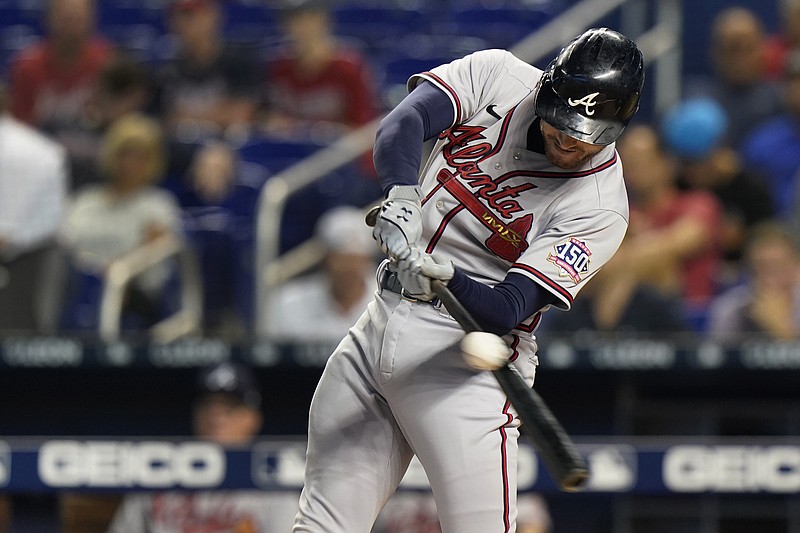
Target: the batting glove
(438, 267)
(399, 223)
(416, 271)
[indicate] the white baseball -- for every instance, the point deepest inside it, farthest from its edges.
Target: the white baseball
(484, 351)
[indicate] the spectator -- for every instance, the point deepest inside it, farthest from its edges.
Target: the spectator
(609, 304)
(33, 182)
(738, 83)
(415, 512)
(773, 149)
(694, 130)
(210, 88)
(780, 45)
(672, 237)
(53, 82)
(318, 88)
(107, 221)
(122, 87)
(768, 304)
(317, 83)
(227, 410)
(219, 196)
(331, 300)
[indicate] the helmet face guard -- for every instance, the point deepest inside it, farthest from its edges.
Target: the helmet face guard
(591, 90)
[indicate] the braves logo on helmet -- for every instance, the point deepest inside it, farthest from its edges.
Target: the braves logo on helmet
(587, 101)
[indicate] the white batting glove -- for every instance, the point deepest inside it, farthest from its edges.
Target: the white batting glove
(416, 271)
(438, 267)
(399, 223)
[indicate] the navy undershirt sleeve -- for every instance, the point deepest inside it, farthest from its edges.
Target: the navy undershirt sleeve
(420, 116)
(501, 308)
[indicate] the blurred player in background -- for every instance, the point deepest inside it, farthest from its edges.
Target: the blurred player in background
(227, 410)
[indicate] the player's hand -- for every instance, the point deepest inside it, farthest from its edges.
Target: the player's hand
(399, 223)
(438, 267)
(416, 271)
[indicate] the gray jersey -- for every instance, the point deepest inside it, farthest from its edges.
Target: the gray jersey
(497, 207)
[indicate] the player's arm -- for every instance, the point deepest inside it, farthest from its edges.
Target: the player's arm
(397, 155)
(420, 116)
(501, 308)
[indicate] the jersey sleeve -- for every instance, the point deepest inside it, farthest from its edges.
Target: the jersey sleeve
(476, 80)
(570, 252)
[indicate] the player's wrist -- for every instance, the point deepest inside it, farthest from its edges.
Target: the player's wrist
(411, 193)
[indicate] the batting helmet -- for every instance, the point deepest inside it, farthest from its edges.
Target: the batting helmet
(591, 90)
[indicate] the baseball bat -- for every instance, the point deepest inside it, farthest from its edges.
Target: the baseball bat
(546, 433)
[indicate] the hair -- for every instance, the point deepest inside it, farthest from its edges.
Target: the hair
(123, 75)
(734, 14)
(133, 129)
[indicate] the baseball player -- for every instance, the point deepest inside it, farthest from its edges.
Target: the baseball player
(519, 204)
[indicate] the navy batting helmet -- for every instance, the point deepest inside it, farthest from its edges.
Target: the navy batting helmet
(591, 90)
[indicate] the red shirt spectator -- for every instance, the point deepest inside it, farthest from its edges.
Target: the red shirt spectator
(52, 82)
(316, 78)
(46, 90)
(698, 270)
(341, 91)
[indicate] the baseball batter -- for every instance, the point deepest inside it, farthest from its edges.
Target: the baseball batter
(519, 204)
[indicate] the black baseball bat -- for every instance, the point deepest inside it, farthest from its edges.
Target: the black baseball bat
(546, 433)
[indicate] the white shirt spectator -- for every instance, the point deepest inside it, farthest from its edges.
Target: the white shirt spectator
(33, 181)
(305, 310)
(101, 227)
(324, 305)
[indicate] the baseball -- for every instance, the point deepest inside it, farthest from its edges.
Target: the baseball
(484, 351)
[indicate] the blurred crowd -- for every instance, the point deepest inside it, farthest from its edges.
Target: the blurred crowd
(108, 154)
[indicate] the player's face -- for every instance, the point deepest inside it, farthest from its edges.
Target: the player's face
(226, 421)
(564, 151)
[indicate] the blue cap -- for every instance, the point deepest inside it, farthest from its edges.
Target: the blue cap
(230, 379)
(694, 127)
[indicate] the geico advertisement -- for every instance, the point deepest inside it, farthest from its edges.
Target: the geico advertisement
(131, 464)
(732, 469)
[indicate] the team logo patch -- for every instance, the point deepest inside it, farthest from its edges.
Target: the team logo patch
(587, 101)
(572, 258)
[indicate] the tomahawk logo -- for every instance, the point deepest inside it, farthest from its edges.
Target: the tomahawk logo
(587, 101)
